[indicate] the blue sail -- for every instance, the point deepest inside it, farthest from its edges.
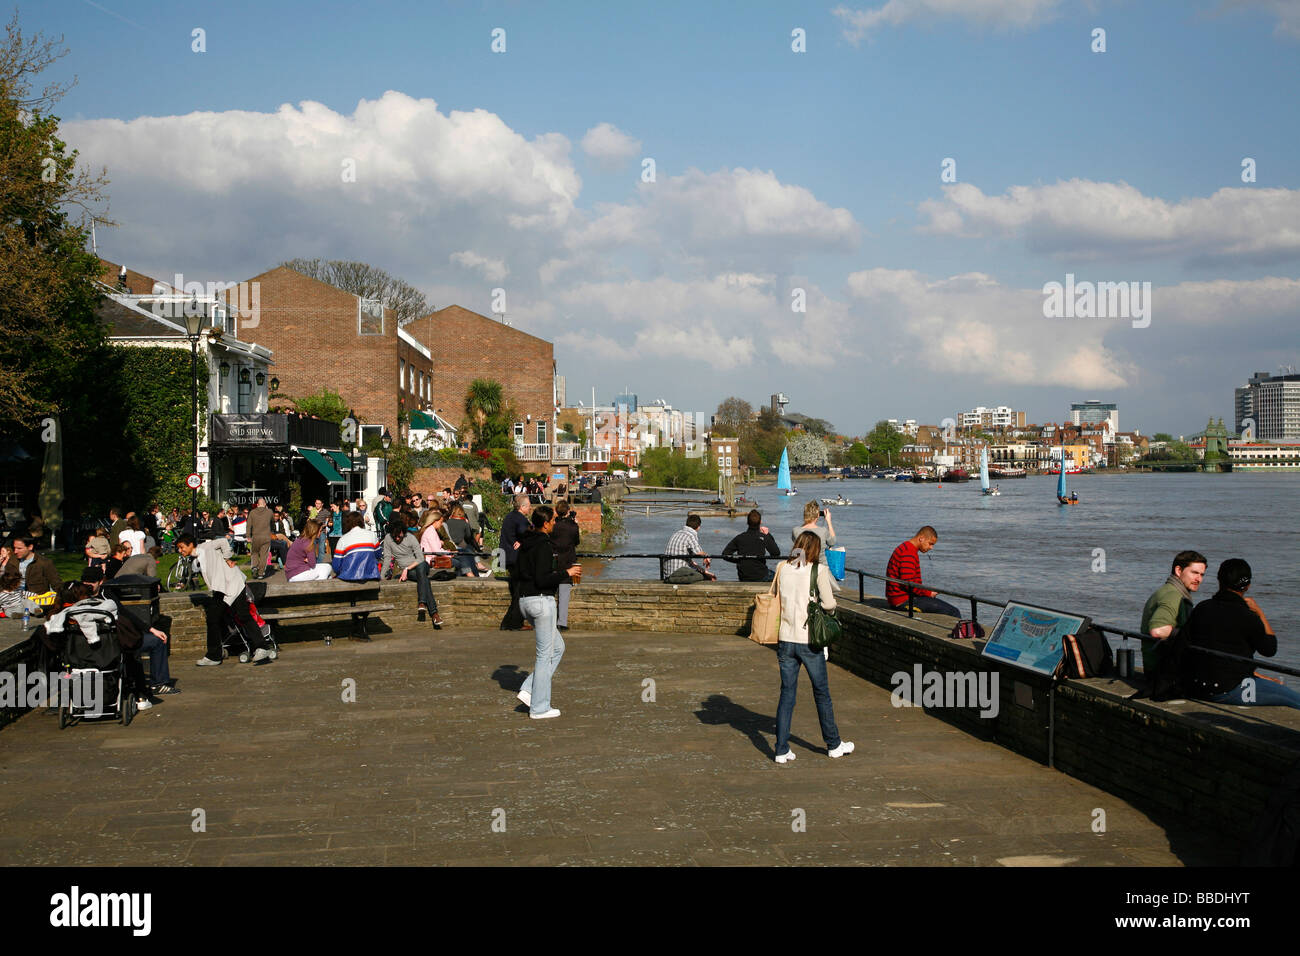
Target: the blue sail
(1060, 482)
(984, 469)
(783, 473)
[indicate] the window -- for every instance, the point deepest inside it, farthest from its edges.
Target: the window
(401, 373)
(541, 433)
(519, 432)
(245, 392)
(370, 317)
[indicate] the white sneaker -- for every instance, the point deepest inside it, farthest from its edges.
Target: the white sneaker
(785, 757)
(207, 662)
(144, 704)
(262, 654)
(526, 697)
(845, 747)
(550, 713)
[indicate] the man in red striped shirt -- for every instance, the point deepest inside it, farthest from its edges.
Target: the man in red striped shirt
(905, 565)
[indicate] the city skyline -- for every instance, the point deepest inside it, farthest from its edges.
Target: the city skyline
(913, 175)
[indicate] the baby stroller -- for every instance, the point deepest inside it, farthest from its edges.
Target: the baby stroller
(94, 679)
(237, 642)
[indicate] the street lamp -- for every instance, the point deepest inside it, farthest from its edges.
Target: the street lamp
(386, 439)
(193, 325)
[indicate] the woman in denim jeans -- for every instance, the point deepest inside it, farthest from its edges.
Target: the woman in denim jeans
(539, 579)
(794, 584)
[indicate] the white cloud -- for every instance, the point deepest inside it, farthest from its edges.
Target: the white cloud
(1089, 219)
(1286, 11)
(494, 270)
(725, 211)
(971, 325)
(609, 145)
(1019, 14)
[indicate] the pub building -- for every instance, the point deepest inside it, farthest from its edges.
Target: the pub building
(257, 455)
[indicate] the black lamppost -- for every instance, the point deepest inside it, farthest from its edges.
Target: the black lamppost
(193, 325)
(386, 439)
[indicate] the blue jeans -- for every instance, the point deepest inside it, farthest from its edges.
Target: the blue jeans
(159, 653)
(550, 648)
(789, 656)
(1267, 693)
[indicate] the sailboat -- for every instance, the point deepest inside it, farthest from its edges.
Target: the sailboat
(783, 475)
(1061, 497)
(984, 474)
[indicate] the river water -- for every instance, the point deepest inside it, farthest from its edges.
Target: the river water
(1024, 546)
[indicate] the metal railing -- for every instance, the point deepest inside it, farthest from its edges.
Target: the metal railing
(535, 452)
(975, 601)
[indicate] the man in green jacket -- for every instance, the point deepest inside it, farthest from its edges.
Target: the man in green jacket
(1169, 607)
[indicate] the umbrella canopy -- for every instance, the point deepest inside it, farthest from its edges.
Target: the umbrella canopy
(50, 500)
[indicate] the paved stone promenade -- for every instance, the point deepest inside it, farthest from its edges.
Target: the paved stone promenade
(436, 749)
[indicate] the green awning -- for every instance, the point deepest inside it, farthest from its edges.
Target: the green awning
(423, 420)
(321, 464)
(341, 461)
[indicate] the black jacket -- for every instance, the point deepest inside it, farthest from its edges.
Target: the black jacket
(1223, 623)
(564, 538)
(749, 550)
(536, 568)
(513, 528)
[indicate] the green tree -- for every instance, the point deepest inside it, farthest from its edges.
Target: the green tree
(858, 455)
(666, 468)
(50, 338)
(1162, 436)
(488, 417)
(885, 443)
(733, 415)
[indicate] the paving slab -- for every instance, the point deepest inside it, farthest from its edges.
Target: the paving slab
(413, 751)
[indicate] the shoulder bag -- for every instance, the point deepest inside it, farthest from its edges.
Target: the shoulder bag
(823, 626)
(765, 628)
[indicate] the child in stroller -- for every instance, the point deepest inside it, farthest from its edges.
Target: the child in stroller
(104, 677)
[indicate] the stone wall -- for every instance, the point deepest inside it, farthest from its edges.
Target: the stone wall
(430, 481)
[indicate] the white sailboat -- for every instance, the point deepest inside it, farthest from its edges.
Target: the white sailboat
(984, 475)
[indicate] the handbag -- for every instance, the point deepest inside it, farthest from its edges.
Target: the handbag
(765, 627)
(823, 626)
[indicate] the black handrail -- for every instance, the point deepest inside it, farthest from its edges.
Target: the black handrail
(975, 601)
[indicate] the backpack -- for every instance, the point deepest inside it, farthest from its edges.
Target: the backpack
(1086, 654)
(966, 630)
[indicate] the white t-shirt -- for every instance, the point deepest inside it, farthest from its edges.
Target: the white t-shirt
(135, 539)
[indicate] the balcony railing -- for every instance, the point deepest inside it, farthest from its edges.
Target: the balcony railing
(536, 452)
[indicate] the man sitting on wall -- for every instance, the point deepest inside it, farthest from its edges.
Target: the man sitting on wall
(686, 542)
(905, 565)
(750, 550)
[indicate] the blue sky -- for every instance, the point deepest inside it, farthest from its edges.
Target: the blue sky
(775, 170)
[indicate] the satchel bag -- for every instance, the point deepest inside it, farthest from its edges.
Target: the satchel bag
(823, 626)
(765, 627)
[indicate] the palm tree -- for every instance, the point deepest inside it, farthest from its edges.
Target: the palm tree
(484, 403)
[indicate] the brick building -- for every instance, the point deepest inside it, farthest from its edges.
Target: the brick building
(324, 337)
(470, 346)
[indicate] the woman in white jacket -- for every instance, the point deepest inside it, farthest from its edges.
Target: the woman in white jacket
(794, 585)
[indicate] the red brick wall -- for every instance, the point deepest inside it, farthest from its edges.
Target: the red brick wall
(467, 346)
(311, 327)
(430, 481)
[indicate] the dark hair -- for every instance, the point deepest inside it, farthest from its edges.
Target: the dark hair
(561, 508)
(91, 575)
(185, 539)
(755, 519)
(1184, 558)
(1234, 574)
(811, 545)
(541, 514)
(397, 527)
(27, 540)
(73, 592)
(927, 531)
(352, 520)
(692, 521)
(10, 579)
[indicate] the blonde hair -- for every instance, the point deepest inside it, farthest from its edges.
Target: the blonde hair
(429, 517)
(811, 511)
(311, 529)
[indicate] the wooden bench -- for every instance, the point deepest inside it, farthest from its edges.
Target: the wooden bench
(282, 601)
